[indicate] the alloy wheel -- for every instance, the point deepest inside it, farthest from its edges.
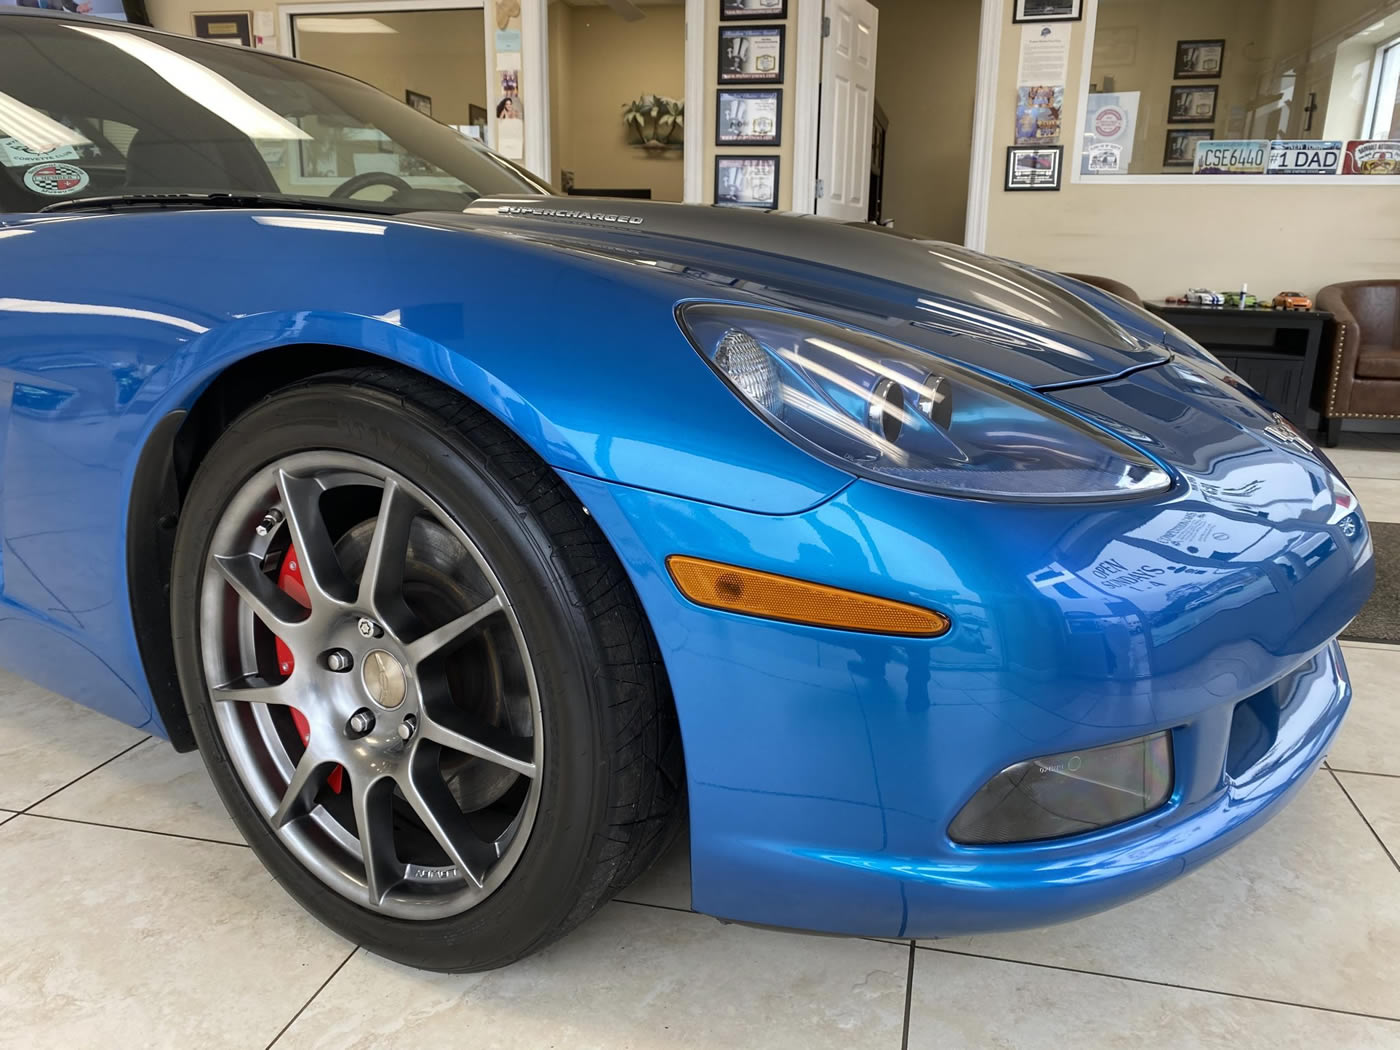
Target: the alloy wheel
(371, 684)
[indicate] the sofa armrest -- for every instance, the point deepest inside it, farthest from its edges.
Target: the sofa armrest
(1345, 348)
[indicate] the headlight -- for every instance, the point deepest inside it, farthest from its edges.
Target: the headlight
(906, 417)
(1069, 793)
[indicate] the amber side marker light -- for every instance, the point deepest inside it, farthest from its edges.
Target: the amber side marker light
(754, 593)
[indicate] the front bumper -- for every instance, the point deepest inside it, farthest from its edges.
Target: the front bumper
(825, 767)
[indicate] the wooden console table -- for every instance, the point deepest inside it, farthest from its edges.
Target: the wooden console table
(1274, 351)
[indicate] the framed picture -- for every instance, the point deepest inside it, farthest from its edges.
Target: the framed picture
(748, 10)
(235, 28)
(746, 182)
(749, 118)
(1033, 167)
(1199, 59)
(751, 54)
(1192, 104)
(422, 103)
(1047, 10)
(1181, 147)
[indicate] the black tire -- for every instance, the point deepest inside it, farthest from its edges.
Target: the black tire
(611, 794)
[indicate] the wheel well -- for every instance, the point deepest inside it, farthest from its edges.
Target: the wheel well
(177, 445)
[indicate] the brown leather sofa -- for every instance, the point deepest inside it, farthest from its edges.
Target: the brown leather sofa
(1108, 284)
(1363, 381)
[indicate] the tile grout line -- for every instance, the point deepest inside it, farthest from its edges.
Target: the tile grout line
(908, 999)
(89, 773)
(1163, 984)
(314, 994)
(139, 831)
(1364, 819)
(1362, 772)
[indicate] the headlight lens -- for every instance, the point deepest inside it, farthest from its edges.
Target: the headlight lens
(906, 417)
(1069, 794)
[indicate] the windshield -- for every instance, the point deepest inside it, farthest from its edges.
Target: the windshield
(90, 109)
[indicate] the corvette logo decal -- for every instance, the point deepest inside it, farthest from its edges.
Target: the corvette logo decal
(55, 180)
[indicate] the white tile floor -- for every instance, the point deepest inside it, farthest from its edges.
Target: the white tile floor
(135, 917)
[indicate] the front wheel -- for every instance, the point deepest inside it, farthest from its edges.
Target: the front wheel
(417, 674)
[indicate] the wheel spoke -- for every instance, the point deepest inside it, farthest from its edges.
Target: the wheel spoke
(374, 821)
(277, 609)
(308, 776)
(254, 690)
(320, 568)
(426, 792)
(485, 742)
(381, 585)
(436, 640)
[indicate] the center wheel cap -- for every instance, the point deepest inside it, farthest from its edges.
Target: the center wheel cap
(384, 679)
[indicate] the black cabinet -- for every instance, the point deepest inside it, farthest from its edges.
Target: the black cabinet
(1274, 351)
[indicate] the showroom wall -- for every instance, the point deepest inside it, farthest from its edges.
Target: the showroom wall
(1162, 238)
(440, 54)
(705, 112)
(598, 63)
(925, 79)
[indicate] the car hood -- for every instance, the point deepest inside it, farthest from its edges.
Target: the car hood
(1039, 329)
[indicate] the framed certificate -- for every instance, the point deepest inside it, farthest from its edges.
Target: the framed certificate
(749, 10)
(746, 182)
(751, 54)
(749, 118)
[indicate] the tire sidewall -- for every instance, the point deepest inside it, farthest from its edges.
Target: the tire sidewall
(560, 854)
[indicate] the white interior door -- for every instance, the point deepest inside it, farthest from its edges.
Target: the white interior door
(848, 106)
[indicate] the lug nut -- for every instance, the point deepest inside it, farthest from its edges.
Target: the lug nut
(369, 629)
(407, 727)
(360, 723)
(270, 521)
(339, 660)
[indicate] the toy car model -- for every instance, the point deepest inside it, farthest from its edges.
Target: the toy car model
(1205, 297)
(1292, 301)
(475, 536)
(1241, 301)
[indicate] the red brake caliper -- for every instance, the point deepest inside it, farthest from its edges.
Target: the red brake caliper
(289, 579)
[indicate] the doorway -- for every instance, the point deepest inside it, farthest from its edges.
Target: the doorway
(898, 87)
(617, 85)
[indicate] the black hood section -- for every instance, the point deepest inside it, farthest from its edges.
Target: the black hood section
(988, 313)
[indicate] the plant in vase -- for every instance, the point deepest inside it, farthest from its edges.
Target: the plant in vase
(656, 120)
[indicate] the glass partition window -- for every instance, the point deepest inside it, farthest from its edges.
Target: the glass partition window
(1248, 87)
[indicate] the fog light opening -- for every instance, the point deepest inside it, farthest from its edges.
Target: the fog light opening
(1070, 793)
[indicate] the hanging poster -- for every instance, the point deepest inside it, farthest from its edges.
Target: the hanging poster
(737, 10)
(1372, 157)
(1180, 151)
(746, 182)
(1111, 123)
(1040, 83)
(749, 118)
(1033, 167)
(234, 28)
(1308, 157)
(751, 54)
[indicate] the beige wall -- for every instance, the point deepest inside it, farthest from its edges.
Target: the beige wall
(925, 78)
(440, 54)
(706, 111)
(1163, 238)
(598, 63)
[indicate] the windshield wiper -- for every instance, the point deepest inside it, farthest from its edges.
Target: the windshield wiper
(125, 201)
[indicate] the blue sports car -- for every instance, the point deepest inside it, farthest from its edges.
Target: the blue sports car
(482, 539)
